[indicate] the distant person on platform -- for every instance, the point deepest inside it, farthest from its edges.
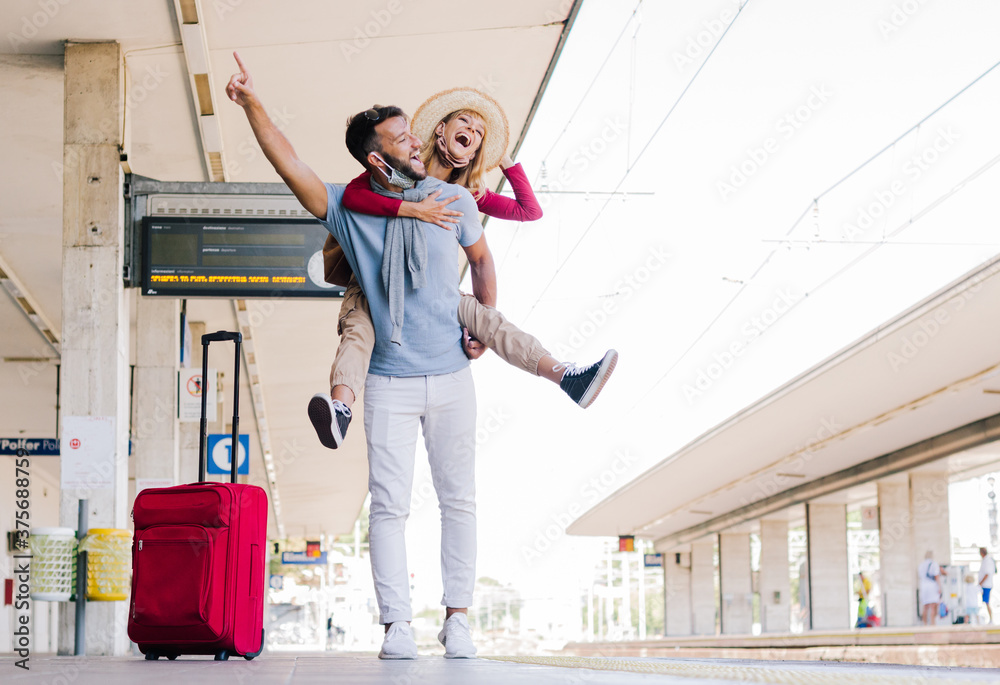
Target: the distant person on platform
(930, 588)
(971, 594)
(987, 569)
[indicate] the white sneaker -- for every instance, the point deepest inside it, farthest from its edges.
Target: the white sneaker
(398, 642)
(457, 638)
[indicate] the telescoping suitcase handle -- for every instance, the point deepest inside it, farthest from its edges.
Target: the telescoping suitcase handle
(234, 451)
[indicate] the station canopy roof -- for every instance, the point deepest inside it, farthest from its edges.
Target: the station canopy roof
(314, 63)
(933, 369)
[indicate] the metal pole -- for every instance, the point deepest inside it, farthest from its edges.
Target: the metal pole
(642, 594)
(80, 647)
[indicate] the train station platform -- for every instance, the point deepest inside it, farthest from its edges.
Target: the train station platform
(945, 646)
(306, 669)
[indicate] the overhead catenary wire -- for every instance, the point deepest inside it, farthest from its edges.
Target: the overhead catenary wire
(593, 81)
(638, 157)
(576, 109)
(961, 185)
(805, 212)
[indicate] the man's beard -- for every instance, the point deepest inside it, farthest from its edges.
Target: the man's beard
(405, 167)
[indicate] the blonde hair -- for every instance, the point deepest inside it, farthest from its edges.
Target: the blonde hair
(473, 176)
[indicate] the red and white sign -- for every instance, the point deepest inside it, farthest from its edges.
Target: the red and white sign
(87, 452)
(190, 385)
(869, 518)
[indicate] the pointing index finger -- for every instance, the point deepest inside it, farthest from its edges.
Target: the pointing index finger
(243, 67)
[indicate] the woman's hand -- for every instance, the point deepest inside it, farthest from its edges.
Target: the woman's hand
(506, 162)
(431, 210)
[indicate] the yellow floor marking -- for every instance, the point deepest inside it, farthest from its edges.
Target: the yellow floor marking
(742, 673)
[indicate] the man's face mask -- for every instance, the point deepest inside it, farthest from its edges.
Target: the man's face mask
(397, 178)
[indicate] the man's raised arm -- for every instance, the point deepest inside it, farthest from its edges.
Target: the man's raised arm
(303, 181)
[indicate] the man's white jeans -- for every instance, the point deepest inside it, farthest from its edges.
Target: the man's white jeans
(445, 406)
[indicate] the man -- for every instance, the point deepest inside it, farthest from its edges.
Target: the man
(987, 569)
(419, 372)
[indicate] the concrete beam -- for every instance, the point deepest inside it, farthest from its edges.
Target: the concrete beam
(899, 461)
(929, 512)
(677, 592)
(703, 593)
(775, 584)
(735, 584)
(95, 318)
(829, 581)
(897, 565)
(155, 426)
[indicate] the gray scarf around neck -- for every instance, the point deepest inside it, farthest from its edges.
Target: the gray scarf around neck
(405, 249)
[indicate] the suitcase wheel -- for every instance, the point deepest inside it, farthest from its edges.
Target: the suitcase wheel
(222, 655)
(152, 656)
(172, 656)
(251, 655)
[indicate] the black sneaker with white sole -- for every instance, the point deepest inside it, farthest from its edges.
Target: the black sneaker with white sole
(583, 383)
(330, 418)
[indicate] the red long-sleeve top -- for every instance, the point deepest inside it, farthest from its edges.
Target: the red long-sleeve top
(359, 197)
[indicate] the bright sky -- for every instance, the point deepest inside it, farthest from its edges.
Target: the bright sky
(796, 97)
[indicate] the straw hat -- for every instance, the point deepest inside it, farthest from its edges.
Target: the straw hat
(438, 106)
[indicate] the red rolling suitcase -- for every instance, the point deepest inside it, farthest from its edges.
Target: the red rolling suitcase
(198, 558)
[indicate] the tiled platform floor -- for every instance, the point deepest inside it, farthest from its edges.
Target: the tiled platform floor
(303, 669)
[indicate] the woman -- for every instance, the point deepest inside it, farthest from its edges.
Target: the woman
(465, 136)
(930, 589)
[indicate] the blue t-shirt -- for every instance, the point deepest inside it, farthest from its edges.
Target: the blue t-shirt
(432, 338)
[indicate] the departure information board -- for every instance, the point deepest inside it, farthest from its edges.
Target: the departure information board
(234, 257)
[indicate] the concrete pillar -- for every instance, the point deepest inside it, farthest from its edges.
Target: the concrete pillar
(829, 581)
(735, 584)
(677, 619)
(703, 586)
(929, 510)
(775, 584)
(189, 431)
(95, 325)
(897, 566)
(155, 425)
